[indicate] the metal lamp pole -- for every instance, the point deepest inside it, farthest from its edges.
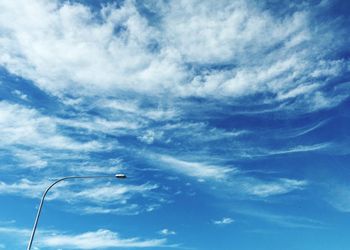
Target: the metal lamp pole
(118, 176)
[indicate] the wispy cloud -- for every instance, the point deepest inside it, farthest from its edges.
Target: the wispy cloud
(21, 232)
(274, 187)
(338, 196)
(223, 221)
(231, 180)
(28, 159)
(101, 238)
(132, 209)
(194, 169)
(24, 187)
(96, 62)
(213, 63)
(111, 192)
(132, 107)
(167, 232)
(25, 126)
(99, 124)
(301, 149)
(283, 220)
(91, 167)
(101, 199)
(20, 95)
(150, 136)
(307, 129)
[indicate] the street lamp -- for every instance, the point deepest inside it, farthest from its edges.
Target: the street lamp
(118, 176)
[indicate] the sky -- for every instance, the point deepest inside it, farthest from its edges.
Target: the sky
(230, 118)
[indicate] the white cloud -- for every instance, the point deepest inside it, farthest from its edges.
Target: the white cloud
(24, 188)
(135, 108)
(152, 207)
(91, 168)
(101, 238)
(8, 222)
(231, 181)
(296, 132)
(132, 209)
(15, 231)
(73, 53)
(102, 198)
(300, 149)
(30, 159)
(112, 192)
(167, 232)
(239, 34)
(270, 188)
(200, 131)
(123, 195)
(338, 196)
(302, 89)
(288, 221)
(212, 32)
(99, 124)
(150, 136)
(223, 221)
(24, 126)
(20, 95)
(101, 194)
(194, 169)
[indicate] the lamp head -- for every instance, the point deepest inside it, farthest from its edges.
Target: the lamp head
(120, 176)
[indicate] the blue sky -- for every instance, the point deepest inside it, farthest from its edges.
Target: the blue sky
(231, 119)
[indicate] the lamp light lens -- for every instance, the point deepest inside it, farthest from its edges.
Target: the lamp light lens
(120, 176)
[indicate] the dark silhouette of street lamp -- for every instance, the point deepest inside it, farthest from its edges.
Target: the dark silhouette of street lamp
(118, 176)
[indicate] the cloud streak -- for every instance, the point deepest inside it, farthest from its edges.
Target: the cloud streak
(194, 169)
(231, 179)
(274, 187)
(223, 221)
(101, 238)
(25, 126)
(101, 199)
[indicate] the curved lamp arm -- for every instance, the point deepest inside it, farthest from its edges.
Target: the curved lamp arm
(118, 176)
